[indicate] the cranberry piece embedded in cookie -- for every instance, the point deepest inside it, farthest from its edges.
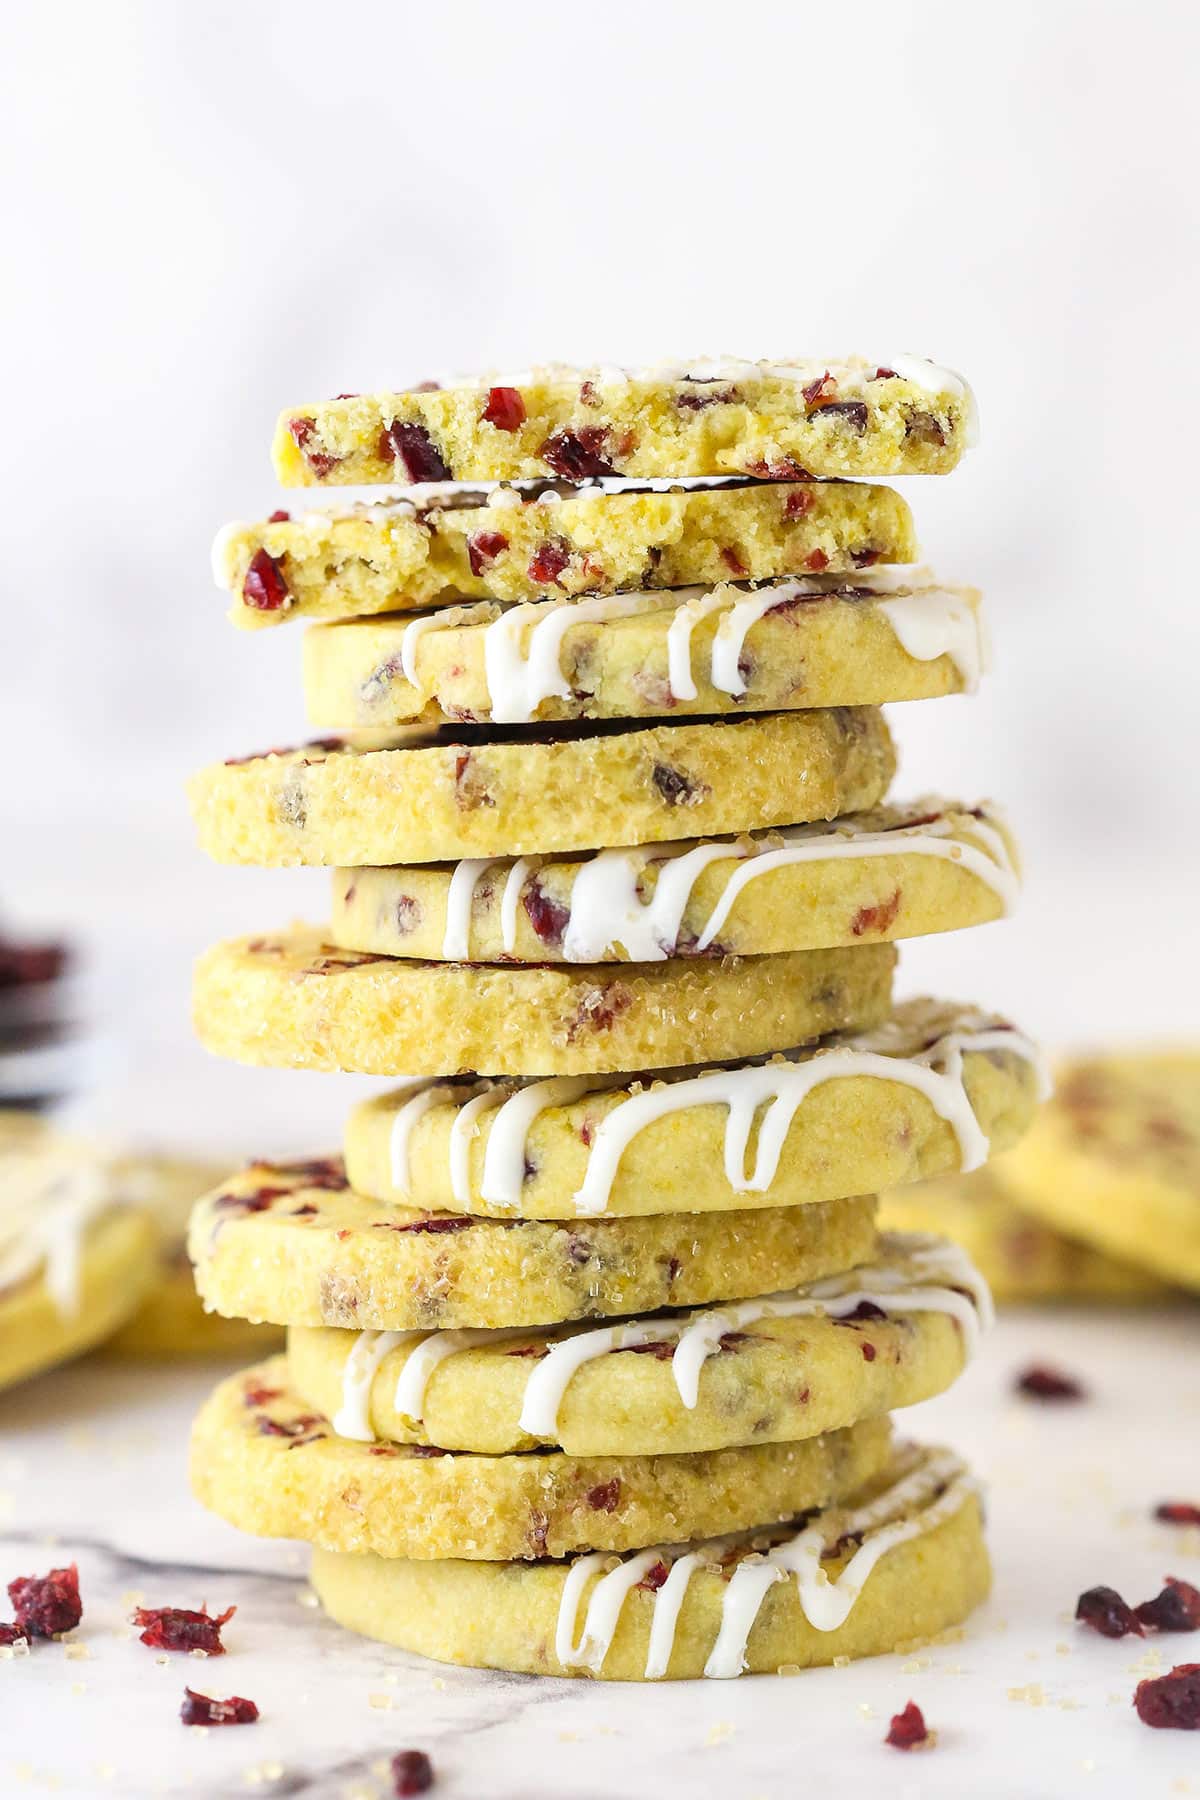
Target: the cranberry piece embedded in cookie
(908, 1730)
(548, 918)
(674, 786)
(549, 560)
(483, 547)
(413, 448)
(175, 1628)
(606, 1497)
(1171, 1702)
(1106, 1612)
(505, 409)
(924, 428)
(46, 1605)
(576, 455)
(733, 562)
(876, 918)
(852, 413)
(816, 560)
(264, 588)
(198, 1709)
(412, 1773)
(319, 461)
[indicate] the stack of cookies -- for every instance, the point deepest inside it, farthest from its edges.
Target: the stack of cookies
(592, 1337)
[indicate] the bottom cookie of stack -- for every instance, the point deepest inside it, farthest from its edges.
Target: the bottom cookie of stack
(899, 1561)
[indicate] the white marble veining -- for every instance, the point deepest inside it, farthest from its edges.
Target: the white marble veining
(92, 1465)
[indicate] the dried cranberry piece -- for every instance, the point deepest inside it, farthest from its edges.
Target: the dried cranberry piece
(798, 502)
(672, 784)
(659, 1349)
(264, 588)
(483, 547)
(876, 918)
(412, 1771)
(27, 965)
(256, 1201)
(549, 560)
(866, 1309)
(1177, 1608)
(407, 914)
(505, 409)
(884, 375)
(908, 1730)
(315, 1171)
(865, 559)
(697, 402)
(1178, 1512)
(288, 1428)
(575, 455)
(733, 562)
(278, 517)
(414, 449)
(869, 1352)
(784, 468)
(13, 1634)
(199, 1709)
(1170, 1702)
(319, 461)
(436, 1224)
(174, 1628)
(606, 1497)
(654, 1577)
(46, 1605)
(548, 918)
(854, 412)
(259, 1396)
(1042, 1383)
(925, 428)
(1106, 1612)
(816, 560)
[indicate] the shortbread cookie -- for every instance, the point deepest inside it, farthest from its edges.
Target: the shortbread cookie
(808, 415)
(858, 641)
(934, 1088)
(788, 1366)
(77, 1254)
(271, 1466)
(292, 1244)
(294, 1001)
(899, 871)
(518, 544)
(1020, 1258)
(507, 793)
(1115, 1160)
(899, 1563)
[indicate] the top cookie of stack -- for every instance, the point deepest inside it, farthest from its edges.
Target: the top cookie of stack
(606, 802)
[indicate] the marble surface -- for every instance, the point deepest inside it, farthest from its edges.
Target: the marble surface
(92, 1466)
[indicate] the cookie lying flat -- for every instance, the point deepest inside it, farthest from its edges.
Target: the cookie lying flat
(498, 793)
(294, 1001)
(271, 1466)
(899, 1563)
(934, 1088)
(398, 555)
(780, 420)
(1115, 1160)
(789, 1366)
(292, 1244)
(858, 641)
(76, 1256)
(896, 872)
(1020, 1258)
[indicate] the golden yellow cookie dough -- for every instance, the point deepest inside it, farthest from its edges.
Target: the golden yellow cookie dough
(487, 1616)
(1114, 1160)
(518, 544)
(769, 1379)
(505, 793)
(851, 1133)
(1020, 1258)
(171, 1322)
(117, 1267)
(294, 1001)
(819, 644)
(781, 420)
(273, 1467)
(898, 871)
(291, 1244)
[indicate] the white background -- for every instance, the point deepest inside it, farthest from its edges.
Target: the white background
(215, 211)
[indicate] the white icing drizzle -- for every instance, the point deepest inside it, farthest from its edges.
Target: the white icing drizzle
(935, 622)
(424, 1358)
(352, 1419)
(522, 650)
(918, 1501)
(49, 1195)
(456, 940)
(462, 1131)
(504, 1157)
(509, 901)
(411, 636)
(688, 615)
(420, 1097)
(605, 910)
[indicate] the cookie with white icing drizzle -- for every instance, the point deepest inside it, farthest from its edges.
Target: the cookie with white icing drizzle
(77, 1250)
(901, 870)
(292, 1244)
(935, 1088)
(273, 1466)
(507, 792)
(295, 1001)
(859, 640)
(1020, 1257)
(523, 543)
(782, 1367)
(897, 415)
(897, 1564)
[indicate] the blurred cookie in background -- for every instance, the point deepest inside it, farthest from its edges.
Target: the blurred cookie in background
(1020, 1256)
(44, 1055)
